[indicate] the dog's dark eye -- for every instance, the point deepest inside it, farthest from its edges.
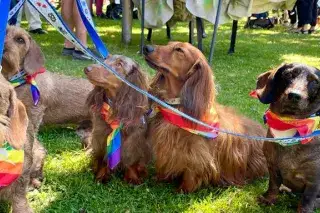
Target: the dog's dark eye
(20, 40)
(287, 75)
(178, 49)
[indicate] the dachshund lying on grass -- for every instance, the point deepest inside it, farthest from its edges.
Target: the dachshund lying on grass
(49, 98)
(293, 92)
(118, 111)
(15, 149)
(192, 154)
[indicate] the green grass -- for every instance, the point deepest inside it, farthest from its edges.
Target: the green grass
(69, 185)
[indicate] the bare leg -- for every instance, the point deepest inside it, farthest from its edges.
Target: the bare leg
(66, 12)
(81, 31)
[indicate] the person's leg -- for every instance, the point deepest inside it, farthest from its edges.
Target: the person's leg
(80, 30)
(33, 18)
(314, 15)
(99, 5)
(304, 14)
(81, 33)
(90, 7)
(66, 12)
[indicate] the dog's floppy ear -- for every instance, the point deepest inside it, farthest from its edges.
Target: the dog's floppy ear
(96, 98)
(198, 92)
(34, 59)
(266, 86)
(130, 105)
(16, 134)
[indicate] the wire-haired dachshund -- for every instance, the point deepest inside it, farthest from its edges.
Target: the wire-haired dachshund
(293, 92)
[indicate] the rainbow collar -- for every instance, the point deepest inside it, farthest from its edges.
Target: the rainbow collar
(113, 149)
(211, 118)
(281, 127)
(22, 78)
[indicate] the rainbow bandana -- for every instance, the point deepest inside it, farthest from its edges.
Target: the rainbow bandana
(23, 78)
(113, 150)
(175, 119)
(281, 127)
(11, 164)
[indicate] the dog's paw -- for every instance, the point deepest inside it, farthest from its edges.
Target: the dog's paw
(267, 200)
(186, 188)
(103, 175)
(135, 174)
(35, 183)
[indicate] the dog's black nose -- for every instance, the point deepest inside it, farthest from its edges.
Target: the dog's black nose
(148, 49)
(292, 96)
(87, 69)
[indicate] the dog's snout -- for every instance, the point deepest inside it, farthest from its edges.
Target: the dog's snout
(292, 96)
(148, 49)
(87, 69)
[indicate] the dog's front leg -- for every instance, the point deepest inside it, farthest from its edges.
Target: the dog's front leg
(275, 179)
(20, 204)
(309, 196)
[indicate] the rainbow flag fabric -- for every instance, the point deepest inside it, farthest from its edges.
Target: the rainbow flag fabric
(211, 118)
(11, 164)
(113, 149)
(281, 127)
(23, 78)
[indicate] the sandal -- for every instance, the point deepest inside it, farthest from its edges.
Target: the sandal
(310, 31)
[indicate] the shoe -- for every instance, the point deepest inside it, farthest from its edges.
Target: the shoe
(102, 16)
(67, 51)
(78, 55)
(39, 31)
(310, 31)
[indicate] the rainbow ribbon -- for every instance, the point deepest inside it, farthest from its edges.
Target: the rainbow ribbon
(288, 127)
(11, 164)
(211, 118)
(23, 78)
(113, 149)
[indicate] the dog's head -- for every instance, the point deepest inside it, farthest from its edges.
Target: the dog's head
(128, 105)
(185, 73)
(292, 89)
(13, 116)
(20, 52)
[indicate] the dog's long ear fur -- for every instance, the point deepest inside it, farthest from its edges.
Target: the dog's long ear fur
(17, 132)
(266, 87)
(34, 58)
(198, 92)
(130, 105)
(96, 98)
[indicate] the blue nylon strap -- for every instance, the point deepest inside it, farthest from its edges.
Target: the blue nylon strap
(66, 32)
(86, 18)
(15, 9)
(4, 11)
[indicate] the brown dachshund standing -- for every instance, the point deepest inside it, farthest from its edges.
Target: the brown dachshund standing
(185, 80)
(114, 103)
(293, 92)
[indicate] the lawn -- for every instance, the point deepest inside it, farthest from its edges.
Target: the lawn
(69, 185)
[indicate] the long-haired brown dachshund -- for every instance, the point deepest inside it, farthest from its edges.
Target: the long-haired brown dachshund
(113, 102)
(185, 80)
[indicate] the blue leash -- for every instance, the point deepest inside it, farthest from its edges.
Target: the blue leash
(49, 12)
(87, 20)
(4, 8)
